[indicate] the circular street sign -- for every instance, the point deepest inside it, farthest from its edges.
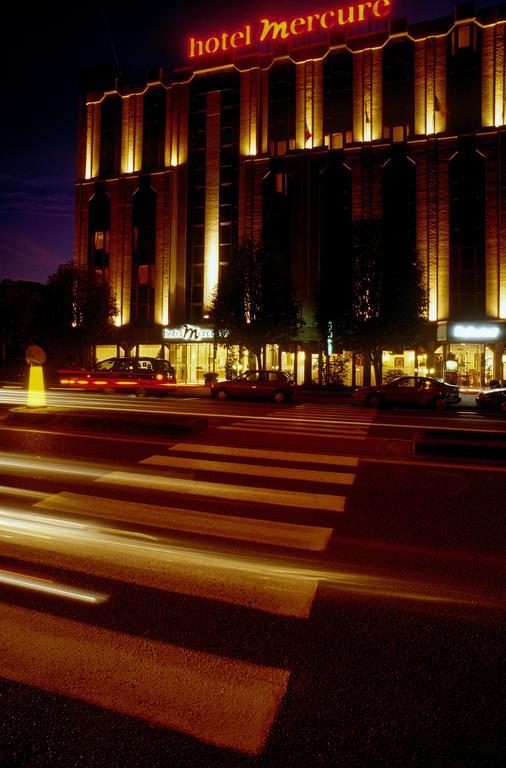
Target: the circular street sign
(35, 355)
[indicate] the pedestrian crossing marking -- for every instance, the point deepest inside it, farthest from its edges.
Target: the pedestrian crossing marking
(285, 498)
(299, 432)
(226, 702)
(254, 470)
(159, 563)
(289, 535)
(261, 453)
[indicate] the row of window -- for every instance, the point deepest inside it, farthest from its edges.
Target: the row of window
(461, 102)
(467, 172)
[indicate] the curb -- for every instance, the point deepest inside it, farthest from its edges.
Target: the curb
(159, 424)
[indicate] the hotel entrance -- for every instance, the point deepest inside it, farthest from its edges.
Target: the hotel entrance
(471, 355)
(471, 366)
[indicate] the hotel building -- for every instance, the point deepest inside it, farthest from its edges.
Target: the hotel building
(290, 141)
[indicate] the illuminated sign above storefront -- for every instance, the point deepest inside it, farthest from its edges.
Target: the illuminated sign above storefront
(188, 332)
(476, 332)
(270, 30)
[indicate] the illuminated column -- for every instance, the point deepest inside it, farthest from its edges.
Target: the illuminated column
(212, 206)
(120, 266)
(92, 140)
(495, 274)
(250, 93)
(367, 95)
(493, 76)
(432, 236)
(264, 109)
(309, 104)
(131, 134)
(176, 135)
(83, 194)
(166, 242)
(430, 86)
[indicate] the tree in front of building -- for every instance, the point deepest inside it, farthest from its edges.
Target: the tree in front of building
(20, 308)
(389, 299)
(78, 313)
(254, 304)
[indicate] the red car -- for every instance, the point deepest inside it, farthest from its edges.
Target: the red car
(410, 390)
(274, 385)
(141, 375)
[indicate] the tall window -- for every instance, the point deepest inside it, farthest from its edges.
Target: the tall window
(110, 136)
(281, 107)
(153, 136)
(143, 253)
(398, 90)
(99, 232)
(228, 84)
(338, 98)
(464, 78)
(399, 200)
(277, 198)
(467, 234)
(335, 238)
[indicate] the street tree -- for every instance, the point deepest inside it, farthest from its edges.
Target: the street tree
(20, 309)
(388, 296)
(78, 312)
(255, 304)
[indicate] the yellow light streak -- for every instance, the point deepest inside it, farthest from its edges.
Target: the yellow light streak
(51, 587)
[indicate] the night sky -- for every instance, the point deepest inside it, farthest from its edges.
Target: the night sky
(48, 54)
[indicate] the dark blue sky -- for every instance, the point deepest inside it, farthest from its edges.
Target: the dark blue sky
(46, 53)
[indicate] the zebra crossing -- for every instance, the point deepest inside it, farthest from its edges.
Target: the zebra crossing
(222, 701)
(310, 420)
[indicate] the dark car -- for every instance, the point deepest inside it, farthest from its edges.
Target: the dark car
(141, 375)
(410, 390)
(493, 399)
(275, 385)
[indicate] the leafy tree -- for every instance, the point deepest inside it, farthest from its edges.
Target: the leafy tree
(78, 312)
(389, 299)
(20, 309)
(255, 302)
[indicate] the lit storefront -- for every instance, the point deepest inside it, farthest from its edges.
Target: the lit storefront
(472, 354)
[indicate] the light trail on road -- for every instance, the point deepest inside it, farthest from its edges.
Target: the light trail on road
(194, 570)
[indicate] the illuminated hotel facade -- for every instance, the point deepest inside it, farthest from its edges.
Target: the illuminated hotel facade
(290, 142)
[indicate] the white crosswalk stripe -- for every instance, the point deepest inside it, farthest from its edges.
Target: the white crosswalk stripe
(226, 702)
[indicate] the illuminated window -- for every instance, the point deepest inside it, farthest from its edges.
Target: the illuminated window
(386, 132)
(464, 36)
(349, 137)
(337, 141)
(398, 133)
(99, 241)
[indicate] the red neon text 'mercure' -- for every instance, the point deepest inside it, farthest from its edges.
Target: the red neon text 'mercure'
(267, 30)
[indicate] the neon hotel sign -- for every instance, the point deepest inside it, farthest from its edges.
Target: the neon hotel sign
(268, 30)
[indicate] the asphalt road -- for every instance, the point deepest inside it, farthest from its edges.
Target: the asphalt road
(290, 587)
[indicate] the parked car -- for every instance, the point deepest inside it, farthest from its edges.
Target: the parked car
(410, 390)
(141, 375)
(275, 385)
(492, 399)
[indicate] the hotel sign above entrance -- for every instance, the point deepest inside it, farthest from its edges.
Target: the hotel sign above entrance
(270, 30)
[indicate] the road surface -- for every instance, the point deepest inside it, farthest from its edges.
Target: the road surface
(290, 586)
